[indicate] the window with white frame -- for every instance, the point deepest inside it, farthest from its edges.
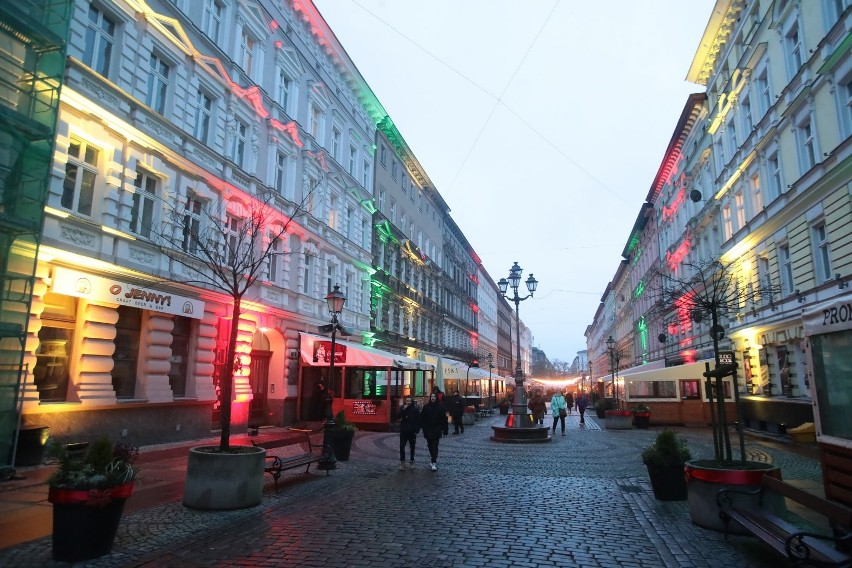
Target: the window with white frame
(247, 47)
(100, 38)
(764, 95)
(773, 167)
(316, 122)
(786, 267)
(281, 173)
(739, 203)
(844, 105)
(719, 152)
(366, 235)
(793, 50)
(365, 174)
(727, 221)
(144, 202)
(283, 90)
(158, 83)
(822, 259)
(807, 144)
(212, 18)
(203, 114)
(192, 223)
(350, 222)
(331, 278)
(731, 131)
(393, 211)
(276, 259)
(745, 113)
(380, 201)
(238, 143)
(763, 277)
(81, 171)
(332, 212)
(394, 172)
(233, 240)
(307, 274)
(353, 161)
(335, 143)
(756, 197)
(383, 155)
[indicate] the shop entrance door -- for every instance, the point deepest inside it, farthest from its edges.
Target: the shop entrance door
(259, 378)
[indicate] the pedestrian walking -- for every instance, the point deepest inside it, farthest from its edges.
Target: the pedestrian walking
(569, 402)
(433, 420)
(582, 403)
(442, 403)
(456, 406)
(538, 405)
(409, 426)
(559, 409)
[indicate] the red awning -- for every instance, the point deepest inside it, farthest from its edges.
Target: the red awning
(316, 349)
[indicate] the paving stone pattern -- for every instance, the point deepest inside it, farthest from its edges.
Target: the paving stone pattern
(580, 500)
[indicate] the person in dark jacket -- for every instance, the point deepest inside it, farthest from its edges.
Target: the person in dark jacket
(409, 426)
(456, 406)
(433, 419)
(440, 394)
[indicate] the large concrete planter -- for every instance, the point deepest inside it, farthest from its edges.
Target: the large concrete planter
(704, 480)
(619, 420)
(222, 481)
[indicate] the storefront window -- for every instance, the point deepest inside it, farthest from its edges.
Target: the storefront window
(180, 355)
(690, 389)
(832, 355)
(126, 353)
(365, 383)
(652, 389)
(51, 373)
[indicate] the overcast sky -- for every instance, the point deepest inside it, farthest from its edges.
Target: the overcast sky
(542, 124)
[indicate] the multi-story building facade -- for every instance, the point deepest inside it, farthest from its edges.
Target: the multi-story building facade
(768, 155)
(406, 315)
(458, 294)
(191, 105)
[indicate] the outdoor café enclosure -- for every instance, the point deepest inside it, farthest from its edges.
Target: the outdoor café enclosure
(368, 383)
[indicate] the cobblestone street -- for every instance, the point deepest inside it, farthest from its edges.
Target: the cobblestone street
(581, 500)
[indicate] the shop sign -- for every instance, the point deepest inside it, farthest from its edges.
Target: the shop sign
(363, 408)
(97, 289)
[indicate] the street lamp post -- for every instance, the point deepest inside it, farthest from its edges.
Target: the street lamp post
(490, 359)
(335, 300)
(519, 423)
(610, 345)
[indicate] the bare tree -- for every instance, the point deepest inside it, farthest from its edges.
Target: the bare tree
(225, 246)
(713, 291)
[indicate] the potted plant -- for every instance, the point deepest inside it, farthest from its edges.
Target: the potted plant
(711, 292)
(601, 406)
(617, 419)
(469, 416)
(665, 459)
(341, 437)
(504, 405)
(88, 493)
(641, 416)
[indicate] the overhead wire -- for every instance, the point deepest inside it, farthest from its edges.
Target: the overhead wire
(499, 101)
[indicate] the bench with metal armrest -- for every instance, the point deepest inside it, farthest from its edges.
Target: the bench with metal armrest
(305, 454)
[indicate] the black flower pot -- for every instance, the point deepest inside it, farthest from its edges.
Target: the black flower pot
(668, 482)
(642, 419)
(85, 522)
(341, 444)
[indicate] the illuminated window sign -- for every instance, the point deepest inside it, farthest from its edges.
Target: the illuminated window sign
(363, 408)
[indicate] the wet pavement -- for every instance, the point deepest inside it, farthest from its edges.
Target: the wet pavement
(580, 500)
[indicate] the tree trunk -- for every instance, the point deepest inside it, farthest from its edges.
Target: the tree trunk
(228, 377)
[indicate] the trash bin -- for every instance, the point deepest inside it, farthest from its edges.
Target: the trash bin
(804, 434)
(31, 444)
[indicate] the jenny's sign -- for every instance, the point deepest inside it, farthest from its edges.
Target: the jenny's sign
(81, 285)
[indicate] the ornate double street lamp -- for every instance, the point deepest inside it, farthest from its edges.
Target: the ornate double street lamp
(610, 346)
(335, 300)
(519, 423)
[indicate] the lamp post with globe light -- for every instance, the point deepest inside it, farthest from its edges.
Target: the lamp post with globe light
(335, 300)
(519, 425)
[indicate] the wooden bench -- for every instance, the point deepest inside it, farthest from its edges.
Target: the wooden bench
(291, 456)
(802, 548)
